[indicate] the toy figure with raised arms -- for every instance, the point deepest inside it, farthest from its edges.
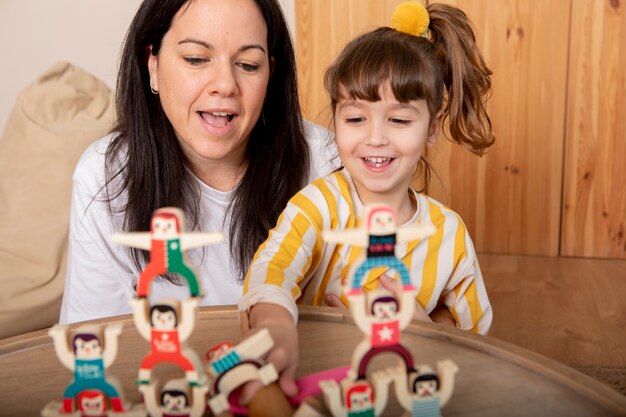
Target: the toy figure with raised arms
(166, 242)
(174, 399)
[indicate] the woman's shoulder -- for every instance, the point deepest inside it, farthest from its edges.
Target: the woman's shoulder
(93, 157)
(322, 149)
(90, 172)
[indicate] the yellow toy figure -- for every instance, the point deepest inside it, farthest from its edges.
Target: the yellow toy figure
(166, 242)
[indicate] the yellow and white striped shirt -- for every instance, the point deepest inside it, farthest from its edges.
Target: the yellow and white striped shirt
(295, 265)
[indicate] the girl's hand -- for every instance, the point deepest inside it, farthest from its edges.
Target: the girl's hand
(440, 314)
(284, 354)
(390, 285)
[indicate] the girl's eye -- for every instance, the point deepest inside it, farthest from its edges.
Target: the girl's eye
(355, 120)
(195, 60)
(397, 121)
(248, 67)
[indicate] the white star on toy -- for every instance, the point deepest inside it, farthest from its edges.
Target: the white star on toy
(165, 336)
(385, 334)
(174, 245)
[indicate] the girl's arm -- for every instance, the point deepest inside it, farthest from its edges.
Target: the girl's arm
(285, 352)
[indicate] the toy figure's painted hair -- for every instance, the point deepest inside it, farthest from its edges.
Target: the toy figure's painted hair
(424, 377)
(90, 394)
(359, 387)
(384, 299)
(86, 337)
(163, 308)
(175, 393)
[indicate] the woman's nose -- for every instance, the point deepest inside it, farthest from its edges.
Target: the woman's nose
(222, 81)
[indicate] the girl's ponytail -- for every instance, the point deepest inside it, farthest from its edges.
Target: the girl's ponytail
(466, 77)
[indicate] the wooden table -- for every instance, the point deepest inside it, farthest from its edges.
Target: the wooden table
(495, 378)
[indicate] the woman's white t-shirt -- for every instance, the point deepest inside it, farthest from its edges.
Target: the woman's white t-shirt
(101, 276)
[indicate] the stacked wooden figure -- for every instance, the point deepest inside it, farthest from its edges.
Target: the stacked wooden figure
(382, 316)
(168, 323)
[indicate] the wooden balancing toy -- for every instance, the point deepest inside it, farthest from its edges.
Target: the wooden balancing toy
(88, 355)
(213, 388)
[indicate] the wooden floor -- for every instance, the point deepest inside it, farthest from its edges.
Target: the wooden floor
(569, 309)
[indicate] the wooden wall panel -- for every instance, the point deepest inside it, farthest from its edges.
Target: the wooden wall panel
(323, 27)
(511, 198)
(594, 203)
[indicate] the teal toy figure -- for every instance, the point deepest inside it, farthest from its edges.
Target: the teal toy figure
(91, 392)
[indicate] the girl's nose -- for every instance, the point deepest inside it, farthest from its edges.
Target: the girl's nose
(377, 135)
(222, 81)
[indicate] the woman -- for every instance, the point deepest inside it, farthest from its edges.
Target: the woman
(207, 120)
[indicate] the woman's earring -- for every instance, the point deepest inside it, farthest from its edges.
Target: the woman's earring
(153, 90)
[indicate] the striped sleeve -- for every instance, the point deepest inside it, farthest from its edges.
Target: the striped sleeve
(465, 294)
(293, 247)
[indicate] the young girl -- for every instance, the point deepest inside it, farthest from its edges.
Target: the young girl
(390, 90)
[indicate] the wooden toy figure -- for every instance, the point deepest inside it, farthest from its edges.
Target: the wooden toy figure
(360, 398)
(166, 242)
(232, 366)
(379, 236)
(381, 324)
(423, 392)
(90, 391)
(387, 316)
(167, 328)
(174, 399)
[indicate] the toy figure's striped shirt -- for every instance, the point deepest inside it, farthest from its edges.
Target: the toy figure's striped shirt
(294, 264)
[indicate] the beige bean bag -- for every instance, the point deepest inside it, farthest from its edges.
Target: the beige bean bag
(53, 121)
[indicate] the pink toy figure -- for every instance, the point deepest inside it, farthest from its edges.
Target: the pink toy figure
(88, 359)
(166, 243)
(174, 399)
(167, 330)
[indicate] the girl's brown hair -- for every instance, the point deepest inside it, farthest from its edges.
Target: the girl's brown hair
(447, 70)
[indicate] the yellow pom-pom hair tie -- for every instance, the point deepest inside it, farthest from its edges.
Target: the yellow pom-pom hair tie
(411, 17)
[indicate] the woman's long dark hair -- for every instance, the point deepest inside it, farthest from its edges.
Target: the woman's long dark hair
(145, 159)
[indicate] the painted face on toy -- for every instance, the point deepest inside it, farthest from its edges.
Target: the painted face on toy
(174, 402)
(163, 320)
(384, 310)
(163, 229)
(88, 349)
(360, 400)
(219, 351)
(425, 389)
(92, 406)
(382, 222)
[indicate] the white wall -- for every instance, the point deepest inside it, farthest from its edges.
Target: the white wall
(35, 34)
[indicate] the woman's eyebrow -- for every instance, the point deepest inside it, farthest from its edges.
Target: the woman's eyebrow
(207, 45)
